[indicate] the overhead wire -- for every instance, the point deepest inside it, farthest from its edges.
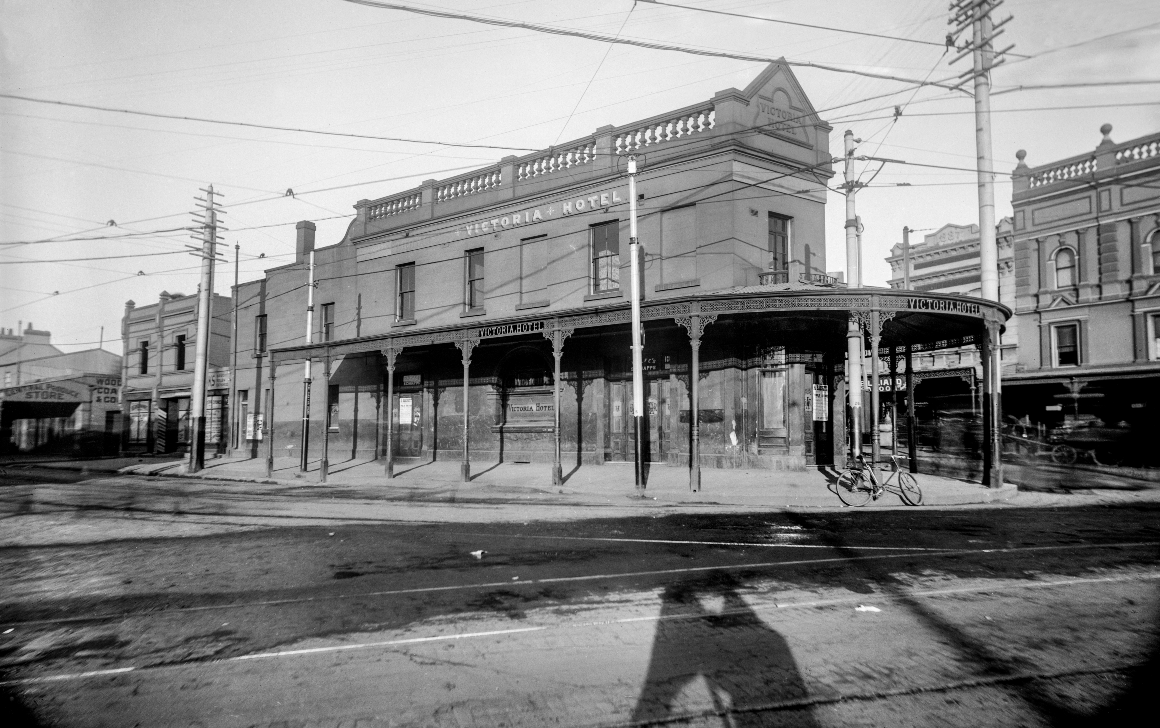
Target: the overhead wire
(552, 30)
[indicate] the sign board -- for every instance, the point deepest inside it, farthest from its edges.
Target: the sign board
(56, 392)
(217, 378)
(821, 402)
(412, 380)
(406, 410)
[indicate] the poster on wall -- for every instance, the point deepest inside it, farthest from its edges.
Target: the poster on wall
(254, 426)
(821, 397)
(405, 409)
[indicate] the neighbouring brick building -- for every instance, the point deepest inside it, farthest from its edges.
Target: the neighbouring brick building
(1087, 272)
(486, 317)
(160, 341)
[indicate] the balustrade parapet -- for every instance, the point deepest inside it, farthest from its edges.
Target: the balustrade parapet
(1101, 163)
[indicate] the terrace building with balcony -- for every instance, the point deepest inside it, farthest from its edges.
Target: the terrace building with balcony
(486, 318)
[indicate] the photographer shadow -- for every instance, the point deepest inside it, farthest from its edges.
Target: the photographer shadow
(709, 639)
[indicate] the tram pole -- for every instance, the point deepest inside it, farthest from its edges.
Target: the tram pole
(306, 371)
(854, 280)
(637, 355)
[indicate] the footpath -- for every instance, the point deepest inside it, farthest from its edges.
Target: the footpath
(608, 484)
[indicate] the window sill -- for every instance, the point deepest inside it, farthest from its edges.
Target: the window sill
(473, 312)
(603, 295)
(403, 322)
(531, 304)
(678, 284)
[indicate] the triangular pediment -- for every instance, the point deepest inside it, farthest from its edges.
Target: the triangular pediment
(779, 106)
(1061, 300)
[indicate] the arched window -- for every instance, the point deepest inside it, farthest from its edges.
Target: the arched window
(1064, 268)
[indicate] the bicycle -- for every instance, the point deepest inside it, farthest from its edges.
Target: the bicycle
(857, 486)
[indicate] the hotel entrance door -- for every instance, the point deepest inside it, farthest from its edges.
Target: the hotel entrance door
(655, 437)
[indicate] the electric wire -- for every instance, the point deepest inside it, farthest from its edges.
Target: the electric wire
(552, 30)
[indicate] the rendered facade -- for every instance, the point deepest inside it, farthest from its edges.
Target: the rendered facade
(485, 318)
(1087, 270)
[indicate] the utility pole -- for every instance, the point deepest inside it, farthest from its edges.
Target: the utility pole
(906, 258)
(207, 253)
(233, 402)
(976, 15)
(306, 371)
(637, 343)
(854, 276)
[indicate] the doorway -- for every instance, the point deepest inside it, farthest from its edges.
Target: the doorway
(409, 428)
(655, 435)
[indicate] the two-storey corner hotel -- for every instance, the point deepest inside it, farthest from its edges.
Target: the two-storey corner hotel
(486, 317)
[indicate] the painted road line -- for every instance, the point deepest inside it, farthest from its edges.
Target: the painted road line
(749, 608)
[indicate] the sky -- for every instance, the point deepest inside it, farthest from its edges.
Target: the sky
(327, 65)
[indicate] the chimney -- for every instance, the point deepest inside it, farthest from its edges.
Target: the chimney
(305, 242)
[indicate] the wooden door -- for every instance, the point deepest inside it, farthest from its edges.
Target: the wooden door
(619, 421)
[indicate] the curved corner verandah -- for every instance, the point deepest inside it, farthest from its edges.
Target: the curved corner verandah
(751, 378)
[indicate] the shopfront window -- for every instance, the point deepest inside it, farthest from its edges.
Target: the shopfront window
(606, 257)
(139, 422)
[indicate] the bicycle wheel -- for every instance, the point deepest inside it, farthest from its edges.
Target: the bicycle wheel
(852, 488)
(908, 490)
(1063, 455)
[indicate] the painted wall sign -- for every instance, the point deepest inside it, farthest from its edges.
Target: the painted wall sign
(44, 392)
(938, 304)
(527, 327)
(552, 211)
(217, 378)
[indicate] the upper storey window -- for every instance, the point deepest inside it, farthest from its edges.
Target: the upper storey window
(328, 322)
(405, 303)
(473, 279)
(1064, 268)
(606, 257)
(780, 230)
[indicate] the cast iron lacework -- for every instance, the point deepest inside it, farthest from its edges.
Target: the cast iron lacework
(787, 302)
(687, 322)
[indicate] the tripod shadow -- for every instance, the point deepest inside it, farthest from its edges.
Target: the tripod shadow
(708, 640)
